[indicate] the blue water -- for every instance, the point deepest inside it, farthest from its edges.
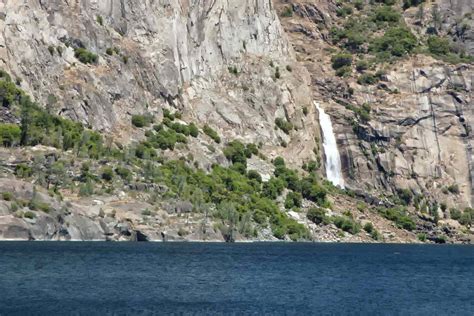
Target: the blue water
(238, 279)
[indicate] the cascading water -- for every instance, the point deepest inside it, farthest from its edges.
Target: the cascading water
(333, 160)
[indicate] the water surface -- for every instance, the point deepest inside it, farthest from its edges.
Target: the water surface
(197, 278)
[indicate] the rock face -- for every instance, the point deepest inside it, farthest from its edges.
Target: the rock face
(419, 136)
(211, 58)
(457, 19)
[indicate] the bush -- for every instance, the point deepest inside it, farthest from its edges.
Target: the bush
(211, 133)
(146, 212)
(421, 237)
(341, 60)
(9, 93)
(359, 4)
(467, 217)
(107, 174)
(193, 130)
(367, 79)
(313, 191)
(369, 227)
(386, 14)
(455, 213)
(317, 215)
(29, 214)
(397, 42)
(141, 120)
(123, 173)
(9, 135)
(85, 56)
(254, 175)
(344, 11)
(411, 3)
(454, 188)
(236, 152)
(293, 199)
(284, 125)
(399, 216)
(362, 65)
(347, 224)
(287, 12)
(7, 196)
(23, 171)
(438, 45)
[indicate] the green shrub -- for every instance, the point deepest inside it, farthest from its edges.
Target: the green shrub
(86, 189)
(23, 171)
(367, 79)
(9, 93)
(5, 76)
(313, 191)
(237, 152)
(347, 224)
(85, 56)
(7, 196)
(211, 133)
(254, 175)
(141, 120)
(9, 135)
(107, 174)
(454, 188)
(344, 11)
(284, 125)
(109, 51)
(341, 60)
(29, 214)
(399, 216)
(455, 213)
(438, 45)
(193, 130)
(293, 199)
(362, 65)
(233, 70)
(123, 173)
(287, 11)
(100, 20)
(411, 3)
(386, 14)
(273, 188)
(387, 2)
(467, 217)
(317, 215)
(396, 41)
(369, 227)
(421, 237)
(359, 4)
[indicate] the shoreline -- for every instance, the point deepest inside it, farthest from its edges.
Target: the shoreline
(223, 242)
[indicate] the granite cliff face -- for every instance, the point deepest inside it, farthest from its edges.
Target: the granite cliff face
(238, 66)
(177, 56)
(419, 133)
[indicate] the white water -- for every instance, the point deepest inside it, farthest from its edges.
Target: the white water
(333, 160)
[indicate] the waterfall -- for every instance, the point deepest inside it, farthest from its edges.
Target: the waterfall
(333, 160)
